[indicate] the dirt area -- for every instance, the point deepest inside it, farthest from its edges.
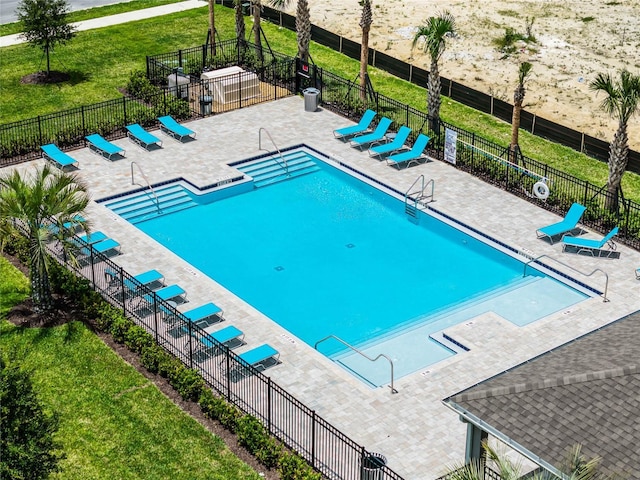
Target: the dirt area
(64, 311)
(576, 40)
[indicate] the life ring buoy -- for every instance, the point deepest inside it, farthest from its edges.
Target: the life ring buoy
(541, 190)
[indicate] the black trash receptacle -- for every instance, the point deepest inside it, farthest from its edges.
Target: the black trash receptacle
(205, 105)
(311, 99)
(371, 466)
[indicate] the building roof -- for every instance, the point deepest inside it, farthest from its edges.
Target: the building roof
(586, 391)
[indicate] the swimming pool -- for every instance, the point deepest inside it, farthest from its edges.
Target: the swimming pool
(328, 254)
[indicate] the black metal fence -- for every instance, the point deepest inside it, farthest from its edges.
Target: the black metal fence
(271, 76)
(323, 446)
(483, 102)
(489, 161)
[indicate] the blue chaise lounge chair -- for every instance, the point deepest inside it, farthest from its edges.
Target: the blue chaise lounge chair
(591, 246)
(172, 128)
(105, 246)
(205, 314)
(172, 292)
(375, 136)
(104, 147)
(261, 357)
(361, 127)
(569, 223)
(139, 135)
(412, 156)
(151, 279)
(397, 143)
(52, 153)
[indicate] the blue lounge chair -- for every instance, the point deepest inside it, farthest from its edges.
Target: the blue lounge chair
(172, 128)
(52, 153)
(397, 143)
(261, 357)
(590, 246)
(139, 135)
(172, 292)
(149, 279)
(361, 127)
(569, 223)
(230, 336)
(104, 246)
(205, 314)
(638, 273)
(412, 156)
(93, 237)
(375, 136)
(104, 147)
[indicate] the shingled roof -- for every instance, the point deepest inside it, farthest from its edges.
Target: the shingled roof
(586, 391)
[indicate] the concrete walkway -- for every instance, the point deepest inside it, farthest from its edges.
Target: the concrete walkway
(7, 40)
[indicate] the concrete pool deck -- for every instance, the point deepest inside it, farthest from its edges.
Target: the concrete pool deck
(413, 429)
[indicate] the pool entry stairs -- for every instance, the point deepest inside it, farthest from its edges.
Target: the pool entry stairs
(144, 204)
(278, 168)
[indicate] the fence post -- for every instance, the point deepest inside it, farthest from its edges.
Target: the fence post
(124, 110)
(155, 315)
(124, 300)
(40, 130)
(586, 192)
(228, 375)
(148, 68)
(93, 270)
(313, 438)
(204, 57)
(84, 125)
(190, 344)
(269, 391)
(180, 58)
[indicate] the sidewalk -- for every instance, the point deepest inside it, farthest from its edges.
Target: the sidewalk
(120, 18)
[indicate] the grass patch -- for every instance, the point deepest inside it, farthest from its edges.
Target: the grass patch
(97, 12)
(101, 66)
(114, 423)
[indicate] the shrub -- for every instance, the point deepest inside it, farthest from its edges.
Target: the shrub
(188, 383)
(217, 408)
(294, 467)
(137, 338)
(153, 356)
(18, 246)
(119, 328)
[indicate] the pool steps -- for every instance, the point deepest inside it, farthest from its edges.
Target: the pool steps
(142, 205)
(270, 170)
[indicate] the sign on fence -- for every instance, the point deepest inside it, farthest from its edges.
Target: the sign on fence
(450, 141)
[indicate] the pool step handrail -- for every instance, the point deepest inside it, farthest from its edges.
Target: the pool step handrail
(393, 390)
(283, 164)
(606, 275)
(153, 192)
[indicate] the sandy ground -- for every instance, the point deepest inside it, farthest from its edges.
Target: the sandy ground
(576, 40)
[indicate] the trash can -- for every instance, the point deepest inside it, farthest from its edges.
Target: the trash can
(371, 467)
(311, 99)
(205, 105)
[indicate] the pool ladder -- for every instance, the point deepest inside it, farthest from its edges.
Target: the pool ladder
(382, 355)
(415, 199)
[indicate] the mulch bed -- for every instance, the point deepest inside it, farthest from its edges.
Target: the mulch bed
(41, 78)
(23, 315)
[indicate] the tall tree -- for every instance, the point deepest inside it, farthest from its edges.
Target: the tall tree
(239, 17)
(433, 34)
(303, 25)
(524, 71)
(45, 25)
(30, 205)
(365, 23)
(621, 103)
(26, 429)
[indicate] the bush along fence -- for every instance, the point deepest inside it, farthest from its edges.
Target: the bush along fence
(176, 92)
(168, 344)
(483, 102)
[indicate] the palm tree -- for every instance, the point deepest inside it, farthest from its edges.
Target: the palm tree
(433, 34)
(256, 8)
(518, 98)
(28, 206)
(365, 23)
(239, 16)
(303, 25)
(621, 102)
(212, 27)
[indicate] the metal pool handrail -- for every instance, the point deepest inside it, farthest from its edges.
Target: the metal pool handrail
(606, 275)
(418, 199)
(393, 390)
(153, 192)
(284, 162)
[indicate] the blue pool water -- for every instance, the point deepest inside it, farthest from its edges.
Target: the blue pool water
(327, 254)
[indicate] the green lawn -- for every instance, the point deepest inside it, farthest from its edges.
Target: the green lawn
(114, 423)
(96, 12)
(100, 66)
